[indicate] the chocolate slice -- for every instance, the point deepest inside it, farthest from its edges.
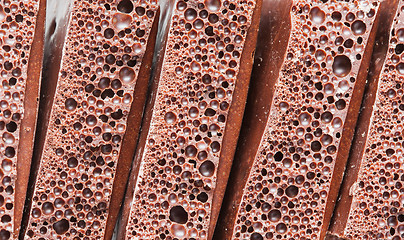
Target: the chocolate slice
(370, 205)
(95, 103)
(21, 53)
(294, 171)
(192, 121)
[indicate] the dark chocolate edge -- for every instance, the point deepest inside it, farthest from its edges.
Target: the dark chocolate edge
(257, 109)
(338, 221)
(29, 122)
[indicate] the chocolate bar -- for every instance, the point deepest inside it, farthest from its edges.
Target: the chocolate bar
(369, 205)
(291, 159)
(21, 53)
(192, 121)
(93, 109)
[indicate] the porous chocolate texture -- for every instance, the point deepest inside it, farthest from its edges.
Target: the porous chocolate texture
(297, 167)
(192, 122)
(374, 209)
(95, 114)
(21, 51)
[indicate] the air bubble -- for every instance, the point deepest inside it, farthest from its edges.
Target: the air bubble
(343, 85)
(316, 146)
(109, 33)
(7, 165)
(191, 151)
(61, 227)
(72, 162)
(178, 230)
(281, 228)
(178, 215)
(127, 75)
(47, 208)
(9, 152)
(326, 139)
(341, 66)
(304, 119)
(121, 21)
(4, 234)
(336, 16)
(274, 215)
(320, 55)
(317, 15)
(16, 72)
(326, 117)
(70, 104)
(8, 138)
(213, 5)
(284, 106)
(125, 6)
(140, 11)
(190, 14)
(292, 191)
(181, 5)
(91, 120)
(400, 68)
(358, 27)
(207, 168)
(337, 122)
(170, 117)
(340, 104)
(278, 156)
(400, 34)
(256, 236)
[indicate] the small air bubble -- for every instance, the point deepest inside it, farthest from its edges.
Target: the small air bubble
(342, 66)
(125, 6)
(207, 168)
(61, 226)
(70, 104)
(213, 5)
(190, 14)
(358, 27)
(317, 15)
(170, 117)
(127, 75)
(178, 215)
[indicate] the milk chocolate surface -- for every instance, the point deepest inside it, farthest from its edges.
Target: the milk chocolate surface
(199, 93)
(106, 56)
(297, 169)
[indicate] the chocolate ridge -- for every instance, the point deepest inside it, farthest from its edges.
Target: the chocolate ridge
(29, 122)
